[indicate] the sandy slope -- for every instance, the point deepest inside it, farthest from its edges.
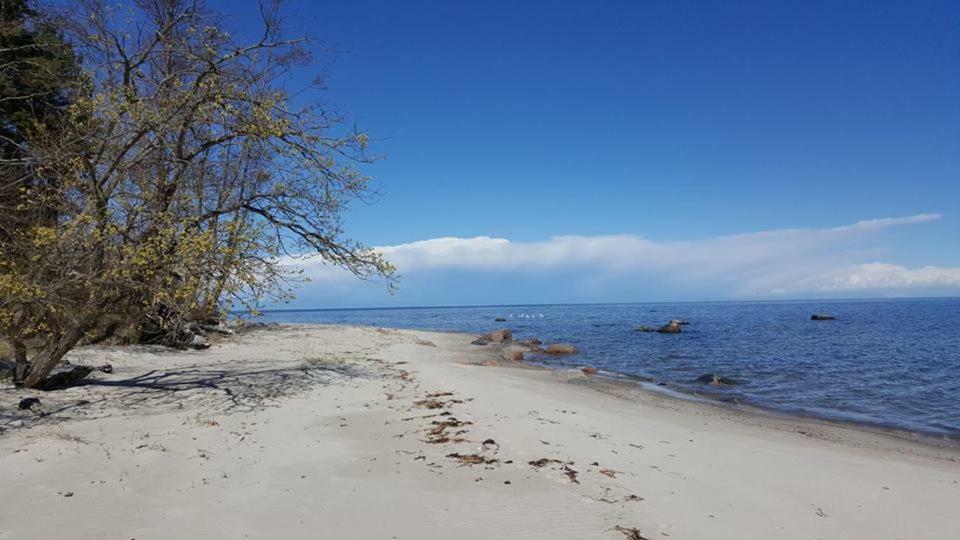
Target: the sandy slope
(321, 432)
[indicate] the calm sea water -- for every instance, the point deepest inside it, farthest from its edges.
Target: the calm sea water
(893, 363)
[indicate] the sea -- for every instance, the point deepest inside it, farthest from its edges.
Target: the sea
(883, 363)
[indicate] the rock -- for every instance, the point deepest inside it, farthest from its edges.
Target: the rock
(821, 317)
(199, 343)
(532, 343)
(716, 380)
(106, 368)
(27, 403)
(561, 348)
(517, 356)
(644, 329)
(588, 370)
(673, 327)
(681, 322)
(498, 336)
(500, 319)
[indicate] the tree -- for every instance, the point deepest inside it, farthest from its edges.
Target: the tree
(182, 172)
(37, 68)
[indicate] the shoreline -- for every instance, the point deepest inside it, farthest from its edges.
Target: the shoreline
(651, 386)
(800, 418)
(367, 432)
(848, 432)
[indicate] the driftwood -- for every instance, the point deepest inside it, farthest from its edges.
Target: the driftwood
(65, 378)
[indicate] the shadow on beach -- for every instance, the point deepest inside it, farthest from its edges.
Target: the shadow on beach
(220, 388)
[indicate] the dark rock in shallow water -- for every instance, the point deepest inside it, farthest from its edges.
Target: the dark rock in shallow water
(673, 327)
(716, 380)
(500, 319)
(644, 329)
(821, 317)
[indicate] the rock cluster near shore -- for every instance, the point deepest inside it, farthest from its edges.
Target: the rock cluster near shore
(516, 350)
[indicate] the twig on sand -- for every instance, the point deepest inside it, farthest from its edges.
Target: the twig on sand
(632, 533)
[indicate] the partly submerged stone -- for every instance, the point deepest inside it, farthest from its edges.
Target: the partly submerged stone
(716, 380)
(561, 348)
(673, 327)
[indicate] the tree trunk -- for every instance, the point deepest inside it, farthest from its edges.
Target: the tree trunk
(48, 357)
(20, 357)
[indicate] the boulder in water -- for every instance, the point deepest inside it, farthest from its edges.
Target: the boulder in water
(716, 380)
(681, 322)
(589, 370)
(644, 328)
(500, 319)
(561, 348)
(821, 317)
(673, 327)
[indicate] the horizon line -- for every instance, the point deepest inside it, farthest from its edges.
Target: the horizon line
(456, 306)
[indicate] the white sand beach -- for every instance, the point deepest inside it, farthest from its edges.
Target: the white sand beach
(353, 432)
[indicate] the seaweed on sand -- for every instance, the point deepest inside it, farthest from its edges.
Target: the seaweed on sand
(472, 459)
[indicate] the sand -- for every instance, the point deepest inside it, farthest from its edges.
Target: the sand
(352, 432)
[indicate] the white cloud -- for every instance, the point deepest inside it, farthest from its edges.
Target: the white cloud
(768, 263)
(884, 276)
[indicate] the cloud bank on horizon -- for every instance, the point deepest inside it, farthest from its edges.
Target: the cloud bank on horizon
(787, 263)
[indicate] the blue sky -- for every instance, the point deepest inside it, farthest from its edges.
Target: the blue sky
(689, 127)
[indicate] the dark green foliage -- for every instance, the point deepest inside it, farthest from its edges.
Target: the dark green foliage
(37, 70)
(35, 66)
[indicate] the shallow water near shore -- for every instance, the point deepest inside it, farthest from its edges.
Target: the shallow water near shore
(887, 363)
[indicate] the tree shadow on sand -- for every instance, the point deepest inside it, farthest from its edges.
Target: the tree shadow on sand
(221, 388)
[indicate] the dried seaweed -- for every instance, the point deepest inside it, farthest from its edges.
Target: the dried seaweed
(543, 462)
(472, 459)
